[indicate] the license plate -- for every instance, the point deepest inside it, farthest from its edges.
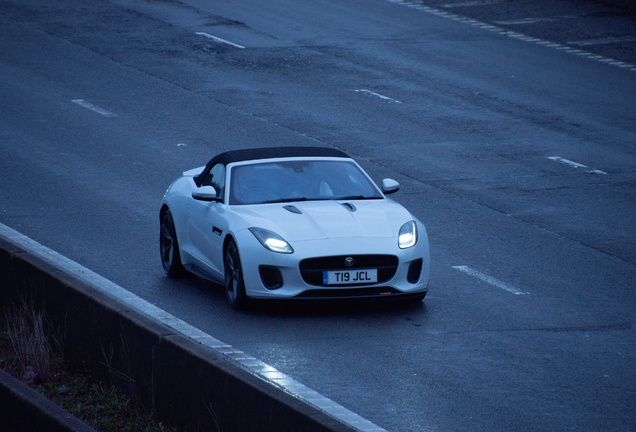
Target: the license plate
(343, 277)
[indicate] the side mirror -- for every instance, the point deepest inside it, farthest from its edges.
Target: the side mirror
(390, 186)
(206, 193)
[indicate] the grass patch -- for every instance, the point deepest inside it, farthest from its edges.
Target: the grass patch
(34, 348)
(31, 352)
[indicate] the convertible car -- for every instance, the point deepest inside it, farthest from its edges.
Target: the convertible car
(292, 223)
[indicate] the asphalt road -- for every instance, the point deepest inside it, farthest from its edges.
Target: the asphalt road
(510, 125)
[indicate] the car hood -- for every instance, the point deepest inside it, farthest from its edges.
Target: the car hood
(312, 220)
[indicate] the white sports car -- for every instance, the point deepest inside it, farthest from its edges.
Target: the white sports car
(292, 223)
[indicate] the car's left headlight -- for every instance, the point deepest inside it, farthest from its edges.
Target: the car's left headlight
(408, 235)
(272, 241)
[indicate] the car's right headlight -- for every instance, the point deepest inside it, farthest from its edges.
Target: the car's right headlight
(408, 235)
(272, 241)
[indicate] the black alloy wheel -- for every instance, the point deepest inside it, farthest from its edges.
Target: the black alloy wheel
(234, 285)
(169, 247)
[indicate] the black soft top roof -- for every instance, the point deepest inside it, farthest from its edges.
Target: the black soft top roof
(268, 153)
(277, 152)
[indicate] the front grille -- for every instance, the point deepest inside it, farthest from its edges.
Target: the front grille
(311, 269)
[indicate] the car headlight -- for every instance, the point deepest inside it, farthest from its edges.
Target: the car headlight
(272, 241)
(408, 235)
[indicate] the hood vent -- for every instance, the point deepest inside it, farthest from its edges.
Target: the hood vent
(292, 209)
(349, 207)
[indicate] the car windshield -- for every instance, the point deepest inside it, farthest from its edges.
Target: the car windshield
(304, 180)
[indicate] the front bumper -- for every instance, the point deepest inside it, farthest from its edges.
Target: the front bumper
(401, 281)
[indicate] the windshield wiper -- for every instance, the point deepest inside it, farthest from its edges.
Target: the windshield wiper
(355, 197)
(298, 199)
(284, 200)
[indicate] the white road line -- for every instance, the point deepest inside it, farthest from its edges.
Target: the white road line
(505, 32)
(95, 108)
(218, 39)
(388, 99)
(246, 362)
(471, 3)
(491, 280)
(602, 41)
(576, 165)
(526, 21)
(522, 21)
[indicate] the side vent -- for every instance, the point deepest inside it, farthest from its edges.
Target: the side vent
(292, 209)
(415, 270)
(349, 207)
(271, 277)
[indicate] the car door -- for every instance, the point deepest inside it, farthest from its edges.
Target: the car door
(207, 225)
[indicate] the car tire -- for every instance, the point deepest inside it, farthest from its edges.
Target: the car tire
(169, 247)
(234, 285)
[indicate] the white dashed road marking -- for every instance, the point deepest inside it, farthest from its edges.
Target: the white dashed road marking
(504, 32)
(491, 280)
(522, 21)
(576, 165)
(471, 3)
(95, 108)
(218, 39)
(526, 21)
(246, 362)
(388, 99)
(603, 41)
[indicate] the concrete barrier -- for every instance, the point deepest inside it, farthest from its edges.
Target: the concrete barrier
(183, 383)
(23, 409)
